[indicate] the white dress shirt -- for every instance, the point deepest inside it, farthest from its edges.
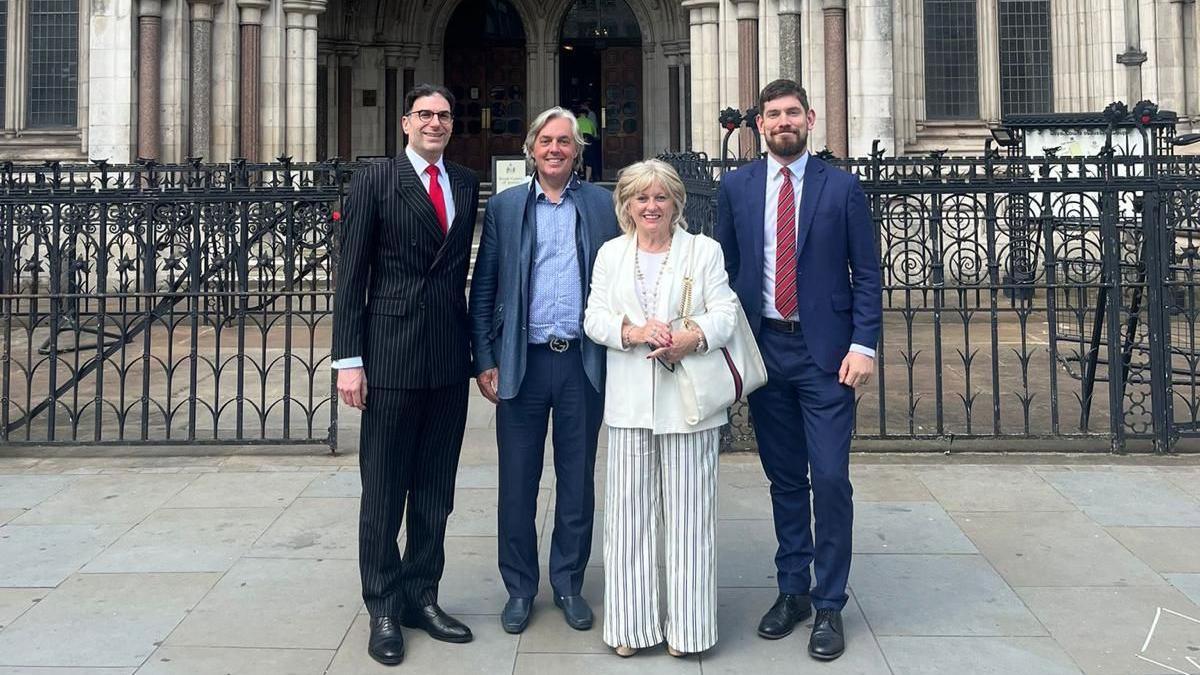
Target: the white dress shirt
(419, 165)
(770, 233)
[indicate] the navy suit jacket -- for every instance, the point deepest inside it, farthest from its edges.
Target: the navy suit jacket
(838, 277)
(499, 306)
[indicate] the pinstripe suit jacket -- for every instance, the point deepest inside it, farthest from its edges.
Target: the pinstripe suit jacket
(400, 301)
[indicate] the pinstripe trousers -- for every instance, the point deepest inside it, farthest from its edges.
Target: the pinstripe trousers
(669, 479)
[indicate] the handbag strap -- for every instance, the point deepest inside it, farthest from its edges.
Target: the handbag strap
(685, 300)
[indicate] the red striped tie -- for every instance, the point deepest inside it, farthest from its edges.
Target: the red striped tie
(785, 248)
(435, 196)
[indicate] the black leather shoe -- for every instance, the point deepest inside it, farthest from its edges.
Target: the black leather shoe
(783, 616)
(515, 616)
(439, 625)
(576, 610)
(827, 641)
(387, 644)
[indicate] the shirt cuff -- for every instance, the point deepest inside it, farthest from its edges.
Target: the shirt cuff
(348, 362)
(865, 351)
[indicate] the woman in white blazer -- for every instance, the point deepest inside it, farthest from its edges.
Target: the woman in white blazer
(661, 469)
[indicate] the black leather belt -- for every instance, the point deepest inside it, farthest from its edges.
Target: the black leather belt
(782, 326)
(558, 345)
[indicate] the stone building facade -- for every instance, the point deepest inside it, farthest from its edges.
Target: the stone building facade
(313, 79)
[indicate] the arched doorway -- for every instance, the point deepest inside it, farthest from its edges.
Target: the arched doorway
(485, 70)
(601, 63)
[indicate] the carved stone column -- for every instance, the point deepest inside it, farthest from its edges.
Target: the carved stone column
(703, 16)
(149, 80)
(836, 129)
(251, 55)
(392, 58)
(789, 39)
(201, 103)
(747, 21)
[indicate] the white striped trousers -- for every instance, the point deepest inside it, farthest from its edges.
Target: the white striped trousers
(669, 479)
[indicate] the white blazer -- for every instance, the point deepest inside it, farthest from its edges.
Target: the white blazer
(640, 393)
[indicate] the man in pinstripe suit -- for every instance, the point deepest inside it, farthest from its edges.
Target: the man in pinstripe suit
(527, 297)
(400, 323)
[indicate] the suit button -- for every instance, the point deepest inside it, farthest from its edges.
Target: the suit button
(413, 241)
(422, 305)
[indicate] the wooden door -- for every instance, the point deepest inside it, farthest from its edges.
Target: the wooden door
(621, 88)
(489, 115)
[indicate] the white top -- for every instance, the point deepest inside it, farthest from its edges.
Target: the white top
(648, 289)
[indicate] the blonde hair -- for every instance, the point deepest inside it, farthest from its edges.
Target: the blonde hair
(637, 178)
(545, 118)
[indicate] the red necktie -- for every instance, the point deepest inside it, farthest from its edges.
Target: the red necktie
(435, 196)
(785, 248)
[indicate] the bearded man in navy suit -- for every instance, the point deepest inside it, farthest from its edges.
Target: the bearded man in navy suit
(800, 250)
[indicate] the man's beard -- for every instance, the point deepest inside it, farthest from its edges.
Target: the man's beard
(784, 148)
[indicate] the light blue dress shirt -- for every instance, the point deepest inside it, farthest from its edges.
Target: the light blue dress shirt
(556, 285)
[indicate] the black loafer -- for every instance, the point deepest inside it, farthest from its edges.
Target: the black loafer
(386, 644)
(576, 611)
(781, 619)
(827, 641)
(439, 625)
(515, 616)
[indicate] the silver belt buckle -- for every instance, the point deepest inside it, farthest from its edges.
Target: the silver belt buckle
(558, 345)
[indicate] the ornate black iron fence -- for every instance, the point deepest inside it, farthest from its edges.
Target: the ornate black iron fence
(1025, 299)
(167, 304)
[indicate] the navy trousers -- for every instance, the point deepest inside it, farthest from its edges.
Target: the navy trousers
(554, 382)
(803, 419)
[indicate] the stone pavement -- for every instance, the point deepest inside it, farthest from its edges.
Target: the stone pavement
(245, 563)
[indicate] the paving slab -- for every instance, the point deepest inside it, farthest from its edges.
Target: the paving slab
(1104, 629)
(1187, 478)
(976, 655)
(45, 555)
(172, 660)
(109, 499)
(7, 515)
(102, 620)
(312, 528)
(335, 484)
(242, 490)
(907, 527)
(974, 488)
(739, 649)
(1188, 584)
(750, 564)
(471, 582)
(874, 483)
(1067, 549)
(548, 631)
(737, 502)
(26, 492)
(1164, 549)
(186, 540)
(475, 512)
(276, 603)
(7, 670)
(938, 595)
(16, 601)
(492, 651)
(647, 662)
(1127, 498)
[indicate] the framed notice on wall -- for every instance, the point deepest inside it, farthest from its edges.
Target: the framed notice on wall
(509, 170)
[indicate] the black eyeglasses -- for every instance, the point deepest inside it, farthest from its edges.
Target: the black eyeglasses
(426, 116)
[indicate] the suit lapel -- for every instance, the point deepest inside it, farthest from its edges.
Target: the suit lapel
(527, 217)
(461, 194)
(417, 197)
(758, 209)
(814, 180)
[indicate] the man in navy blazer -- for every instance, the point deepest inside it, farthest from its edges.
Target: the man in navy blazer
(528, 292)
(800, 250)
